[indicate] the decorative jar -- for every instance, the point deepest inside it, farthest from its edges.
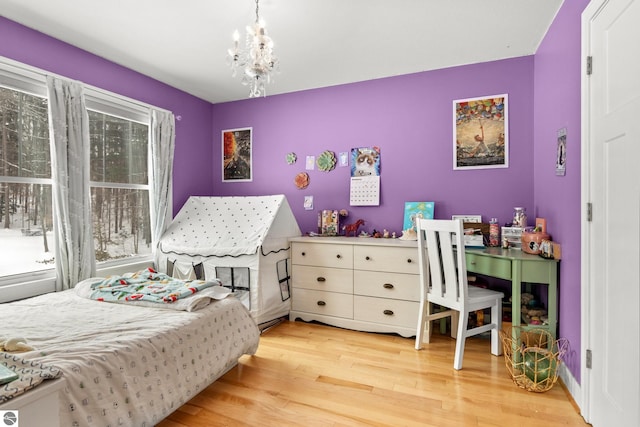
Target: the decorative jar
(531, 240)
(519, 217)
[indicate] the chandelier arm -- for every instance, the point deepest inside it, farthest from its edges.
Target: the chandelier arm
(257, 11)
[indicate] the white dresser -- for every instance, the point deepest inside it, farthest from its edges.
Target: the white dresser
(359, 283)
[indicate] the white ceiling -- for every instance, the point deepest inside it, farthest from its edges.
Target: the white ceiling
(319, 42)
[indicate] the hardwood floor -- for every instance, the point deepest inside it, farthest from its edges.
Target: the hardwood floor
(315, 375)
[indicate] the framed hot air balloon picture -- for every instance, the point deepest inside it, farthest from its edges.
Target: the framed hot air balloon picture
(481, 133)
(237, 155)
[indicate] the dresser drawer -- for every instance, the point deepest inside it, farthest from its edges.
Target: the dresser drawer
(322, 278)
(388, 285)
(326, 303)
(322, 255)
(382, 258)
(495, 267)
(386, 311)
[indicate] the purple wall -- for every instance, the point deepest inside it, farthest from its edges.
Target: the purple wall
(557, 198)
(410, 119)
(192, 174)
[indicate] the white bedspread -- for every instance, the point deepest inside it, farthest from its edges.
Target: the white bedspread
(129, 365)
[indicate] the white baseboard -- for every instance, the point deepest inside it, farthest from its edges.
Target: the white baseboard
(571, 384)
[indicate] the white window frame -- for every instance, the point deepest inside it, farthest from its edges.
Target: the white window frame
(103, 102)
(17, 76)
(14, 76)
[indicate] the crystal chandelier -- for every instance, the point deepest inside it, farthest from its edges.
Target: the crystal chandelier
(257, 61)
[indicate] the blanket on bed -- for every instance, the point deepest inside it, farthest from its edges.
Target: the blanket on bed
(152, 289)
(146, 285)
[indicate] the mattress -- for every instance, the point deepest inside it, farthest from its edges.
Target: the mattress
(128, 365)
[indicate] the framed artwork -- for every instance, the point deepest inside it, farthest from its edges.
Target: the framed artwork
(561, 153)
(481, 133)
(237, 155)
(414, 210)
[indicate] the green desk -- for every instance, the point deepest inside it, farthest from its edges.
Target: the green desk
(519, 267)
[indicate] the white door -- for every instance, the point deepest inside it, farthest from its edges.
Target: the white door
(611, 182)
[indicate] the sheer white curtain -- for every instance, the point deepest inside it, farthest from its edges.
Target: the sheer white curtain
(162, 143)
(69, 135)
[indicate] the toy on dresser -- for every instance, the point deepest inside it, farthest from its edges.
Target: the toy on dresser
(353, 228)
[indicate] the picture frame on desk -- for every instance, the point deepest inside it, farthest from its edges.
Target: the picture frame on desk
(481, 132)
(413, 210)
(468, 218)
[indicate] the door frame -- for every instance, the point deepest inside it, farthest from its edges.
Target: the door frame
(592, 9)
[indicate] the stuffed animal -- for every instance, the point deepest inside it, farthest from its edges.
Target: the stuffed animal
(534, 315)
(11, 345)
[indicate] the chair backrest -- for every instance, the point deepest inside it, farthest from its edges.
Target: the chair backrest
(441, 262)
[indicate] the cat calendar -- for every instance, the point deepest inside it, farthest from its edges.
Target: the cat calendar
(365, 191)
(365, 177)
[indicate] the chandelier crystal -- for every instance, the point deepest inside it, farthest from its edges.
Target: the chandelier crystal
(257, 61)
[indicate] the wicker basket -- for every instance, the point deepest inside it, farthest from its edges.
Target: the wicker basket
(533, 357)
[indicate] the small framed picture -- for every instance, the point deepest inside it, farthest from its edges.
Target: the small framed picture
(415, 210)
(237, 155)
(480, 133)
(343, 159)
(468, 218)
(561, 153)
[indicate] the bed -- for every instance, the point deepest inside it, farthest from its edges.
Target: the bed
(127, 364)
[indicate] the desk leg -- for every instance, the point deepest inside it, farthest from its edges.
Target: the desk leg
(552, 306)
(516, 293)
(516, 310)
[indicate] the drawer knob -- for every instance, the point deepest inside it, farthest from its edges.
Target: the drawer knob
(303, 254)
(409, 261)
(367, 258)
(321, 303)
(387, 286)
(338, 256)
(321, 279)
(388, 312)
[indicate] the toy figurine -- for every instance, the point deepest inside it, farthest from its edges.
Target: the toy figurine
(353, 228)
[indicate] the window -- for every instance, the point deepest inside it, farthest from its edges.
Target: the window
(26, 239)
(119, 181)
(119, 186)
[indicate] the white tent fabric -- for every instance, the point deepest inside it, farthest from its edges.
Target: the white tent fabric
(235, 232)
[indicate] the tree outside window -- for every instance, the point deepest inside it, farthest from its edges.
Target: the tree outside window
(119, 185)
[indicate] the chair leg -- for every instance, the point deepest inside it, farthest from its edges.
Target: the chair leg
(422, 316)
(428, 328)
(455, 318)
(460, 340)
(496, 319)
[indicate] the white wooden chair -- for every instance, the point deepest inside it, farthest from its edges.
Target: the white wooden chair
(446, 267)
